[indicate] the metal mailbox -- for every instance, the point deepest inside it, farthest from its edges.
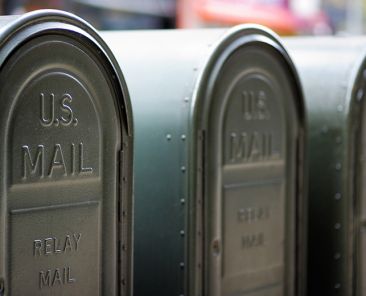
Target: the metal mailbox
(65, 160)
(218, 161)
(333, 73)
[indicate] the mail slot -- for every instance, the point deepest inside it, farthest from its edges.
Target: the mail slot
(65, 133)
(218, 172)
(333, 73)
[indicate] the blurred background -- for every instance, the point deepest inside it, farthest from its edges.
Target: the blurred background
(286, 17)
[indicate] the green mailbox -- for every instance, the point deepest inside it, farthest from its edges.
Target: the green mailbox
(218, 162)
(333, 74)
(65, 160)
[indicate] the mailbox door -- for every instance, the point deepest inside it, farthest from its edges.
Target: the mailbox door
(251, 173)
(61, 134)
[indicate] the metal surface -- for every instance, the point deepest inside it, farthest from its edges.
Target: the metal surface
(333, 73)
(65, 160)
(218, 162)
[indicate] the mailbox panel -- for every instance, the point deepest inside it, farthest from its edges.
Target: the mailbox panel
(63, 130)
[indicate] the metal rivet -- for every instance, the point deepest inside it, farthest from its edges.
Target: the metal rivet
(183, 169)
(168, 137)
(338, 196)
(337, 256)
(338, 166)
(359, 95)
(324, 129)
(338, 140)
(182, 201)
(181, 265)
(216, 247)
(182, 232)
(337, 286)
(183, 137)
(186, 99)
(337, 226)
(340, 108)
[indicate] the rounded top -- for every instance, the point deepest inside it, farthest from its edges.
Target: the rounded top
(239, 37)
(20, 30)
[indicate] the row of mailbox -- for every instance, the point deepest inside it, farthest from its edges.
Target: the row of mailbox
(244, 178)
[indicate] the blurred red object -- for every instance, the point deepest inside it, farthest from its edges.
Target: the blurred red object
(275, 14)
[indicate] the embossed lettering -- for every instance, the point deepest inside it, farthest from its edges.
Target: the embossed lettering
(36, 164)
(37, 246)
(252, 240)
(53, 245)
(83, 169)
(66, 109)
(253, 146)
(44, 279)
(58, 161)
(53, 117)
(57, 276)
(253, 214)
(47, 120)
(254, 105)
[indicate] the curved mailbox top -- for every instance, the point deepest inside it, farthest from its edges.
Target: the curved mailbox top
(333, 74)
(65, 160)
(218, 118)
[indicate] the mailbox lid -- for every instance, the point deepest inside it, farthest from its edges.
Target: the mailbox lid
(65, 118)
(331, 71)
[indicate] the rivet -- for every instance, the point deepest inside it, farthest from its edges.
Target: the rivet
(324, 129)
(338, 166)
(337, 256)
(216, 247)
(359, 94)
(183, 137)
(168, 137)
(181, 265)
(338, 140)
(182, 201)
(183, 169)
(186, 99)
(337, 286)
(337, 226)
(340, 108)
(182, 232)
(338, 196)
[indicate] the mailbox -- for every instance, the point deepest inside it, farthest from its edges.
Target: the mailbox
(333, 73)
(65, 157)
(218, 161)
